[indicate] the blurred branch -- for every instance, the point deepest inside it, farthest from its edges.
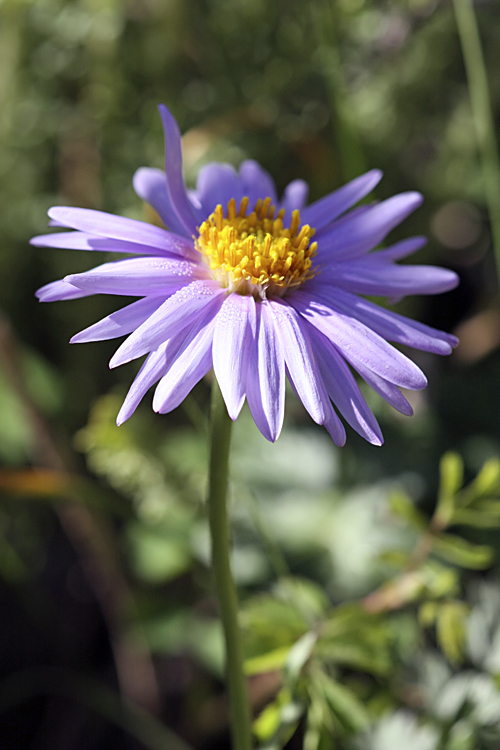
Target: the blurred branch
(92, 539)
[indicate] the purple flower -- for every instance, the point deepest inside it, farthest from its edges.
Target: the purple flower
(258, 288)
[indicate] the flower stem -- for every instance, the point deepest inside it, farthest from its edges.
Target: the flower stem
(220, 437)
(482, 114)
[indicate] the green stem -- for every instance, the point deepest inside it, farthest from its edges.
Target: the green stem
(482, 114)
(220, 435)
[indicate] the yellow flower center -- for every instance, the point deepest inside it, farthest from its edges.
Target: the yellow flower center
(254, 253)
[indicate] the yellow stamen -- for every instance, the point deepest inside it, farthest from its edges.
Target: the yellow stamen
(253, 253)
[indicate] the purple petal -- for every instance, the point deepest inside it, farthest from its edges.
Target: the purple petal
(401, 249)
(154, 368)
(324, 211)
(344, 391)
(233, 339)
(217, 184)
(256, 183)
(120, 322)
(386, 323)
(382, 278)
(300, 362)
(118, 228)
(151, 186)
(336, 430)
(365, 231)
(192, 361)
(84, 241)
(266, 375)
(60, 290)
(175, 315)
(358, 343)
(176, 190)
(388, 391)
(137, 277)
(294, 198)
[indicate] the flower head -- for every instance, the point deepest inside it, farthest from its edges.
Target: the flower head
(257, 288)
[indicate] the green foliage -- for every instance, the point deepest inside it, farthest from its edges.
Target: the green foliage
(361, 601)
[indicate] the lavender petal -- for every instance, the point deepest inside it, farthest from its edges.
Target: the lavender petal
(176, 190)
(358, 343)
(177, 313)
(388, 324)
(137, 277)
(265, 383)
(344, 391)
(300, 362)
(323, 212)
(60, 290)
(120, 322)
(151, 186)
(233, 338)
(365, 230)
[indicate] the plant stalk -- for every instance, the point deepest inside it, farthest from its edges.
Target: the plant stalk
(482, 114)
(220, 438)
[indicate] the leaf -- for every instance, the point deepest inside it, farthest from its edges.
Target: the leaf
(269, 625)
(477, 518)
(276, 723)
(346, 706)
(487, 482)
(450, 629)
(451, 470)
(269, 662)
(158, 554)
(440, 580)
(403, 506)
(396, 558)
(460, 552)
(360, 656)
(299, 655)
(306, 596)
(427, 613)
(451, 479)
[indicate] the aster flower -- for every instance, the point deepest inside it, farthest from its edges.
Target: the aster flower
(259, 288)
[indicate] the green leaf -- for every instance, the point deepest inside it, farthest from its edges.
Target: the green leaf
(477, 518)
(270, 625)
(460, 552)
(158, 554)
(450, 629)
(269, 662)
(360, 656)
(487, 482)
(439, 580)
(276, 723)
(451, 479)
(403, 506)
(427, 613)
(345, 705)
(306, 596)
(396, 558)
(451, 470)
(298, 656)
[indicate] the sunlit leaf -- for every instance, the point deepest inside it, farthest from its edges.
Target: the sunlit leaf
(403, 506)
(487, 482)
(460, 552)
(451, 478)
(345, 705)
(450, 628)
(299, 655)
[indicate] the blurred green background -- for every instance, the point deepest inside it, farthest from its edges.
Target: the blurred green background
(104, 580)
